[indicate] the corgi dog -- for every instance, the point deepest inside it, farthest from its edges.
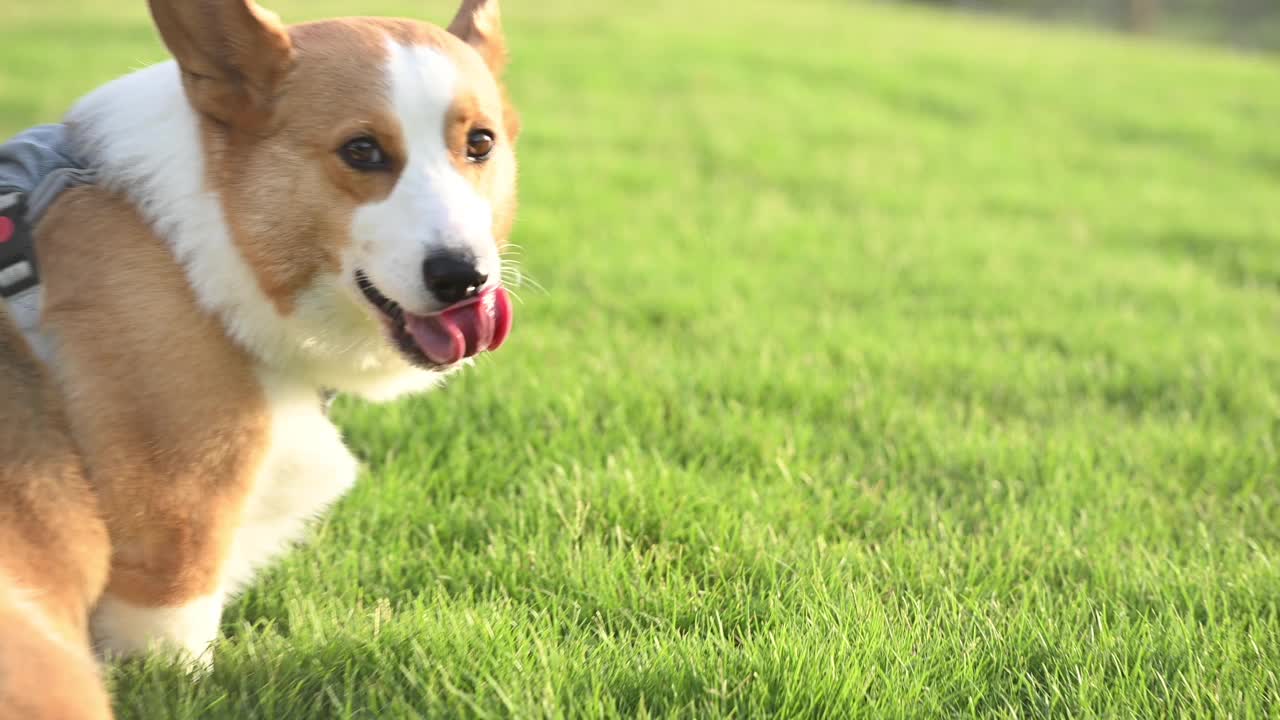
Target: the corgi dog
(278, 213)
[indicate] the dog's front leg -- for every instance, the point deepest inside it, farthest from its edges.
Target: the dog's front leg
(167, 584)
(181, 547)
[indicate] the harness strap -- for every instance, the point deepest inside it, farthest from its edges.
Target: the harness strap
(35, 168)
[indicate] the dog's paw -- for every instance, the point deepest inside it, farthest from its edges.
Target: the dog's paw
(184, 634)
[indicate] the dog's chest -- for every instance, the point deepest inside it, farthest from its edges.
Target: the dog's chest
(305, 468)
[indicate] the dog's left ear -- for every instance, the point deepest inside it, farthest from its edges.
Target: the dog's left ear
(233, 54)
(479, 24)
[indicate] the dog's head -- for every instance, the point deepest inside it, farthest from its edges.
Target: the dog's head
(366, 170)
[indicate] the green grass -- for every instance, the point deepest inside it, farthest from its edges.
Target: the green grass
(890, 364)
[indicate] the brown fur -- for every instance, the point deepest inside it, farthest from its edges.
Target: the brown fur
(53, 549)
(44, 678)
(165, 409)
(479, 24)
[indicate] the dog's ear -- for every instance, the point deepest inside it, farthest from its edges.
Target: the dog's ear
(233, 56)
(479, 24)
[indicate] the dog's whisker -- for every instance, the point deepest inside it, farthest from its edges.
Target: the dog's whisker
(525, 278)
(515, 276)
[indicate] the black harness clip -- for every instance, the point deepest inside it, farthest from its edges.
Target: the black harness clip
(17, 247)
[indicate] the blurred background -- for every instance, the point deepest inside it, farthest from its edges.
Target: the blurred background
(1250, 24)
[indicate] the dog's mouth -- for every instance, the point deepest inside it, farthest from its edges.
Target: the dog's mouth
(444, 338)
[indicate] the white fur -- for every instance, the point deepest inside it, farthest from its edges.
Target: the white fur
(432, 208)
(122, 628)
(306, 469)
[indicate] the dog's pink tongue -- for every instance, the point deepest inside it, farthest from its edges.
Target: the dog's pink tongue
(463, 330)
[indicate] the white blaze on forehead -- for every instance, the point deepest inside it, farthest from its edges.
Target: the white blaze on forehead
(432, 208)
(424, 87)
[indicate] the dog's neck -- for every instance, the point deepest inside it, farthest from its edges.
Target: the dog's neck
(142, 136)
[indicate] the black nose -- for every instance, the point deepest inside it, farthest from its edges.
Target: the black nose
(452, 277)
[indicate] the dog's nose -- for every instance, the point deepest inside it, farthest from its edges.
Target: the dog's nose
(452, 278)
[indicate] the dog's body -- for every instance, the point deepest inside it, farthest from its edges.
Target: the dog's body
(53, 549)
(280, 212)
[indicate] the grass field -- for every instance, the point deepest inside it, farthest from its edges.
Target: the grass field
(889, 364)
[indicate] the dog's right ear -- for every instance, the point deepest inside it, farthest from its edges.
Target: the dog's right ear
(233, 56)
(479, 24)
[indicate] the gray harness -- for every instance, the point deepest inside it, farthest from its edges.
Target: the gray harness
(35, 168)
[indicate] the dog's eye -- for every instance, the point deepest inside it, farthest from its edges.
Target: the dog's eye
(364, 153)
(479, 145)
